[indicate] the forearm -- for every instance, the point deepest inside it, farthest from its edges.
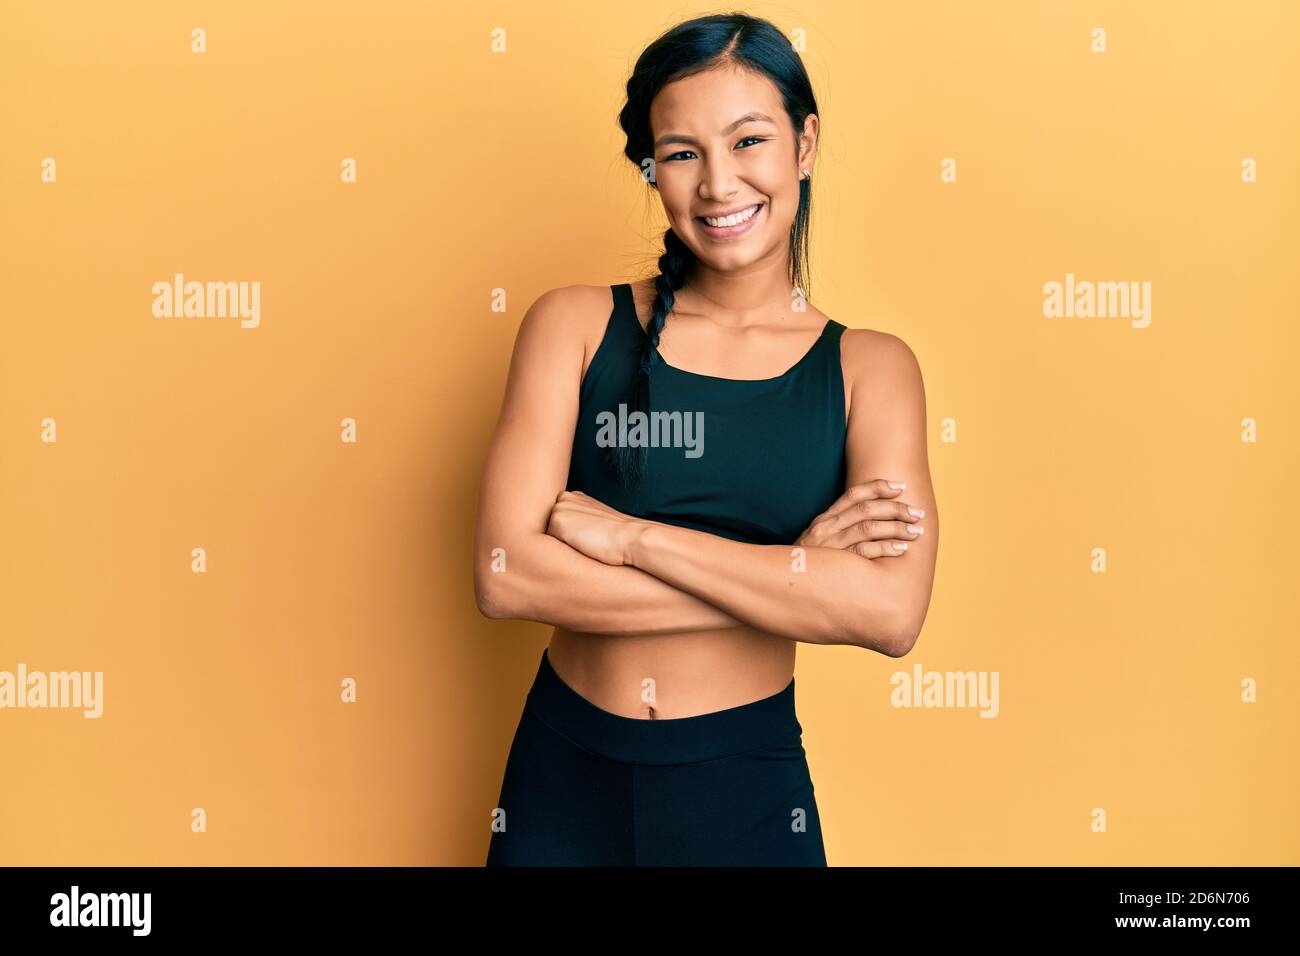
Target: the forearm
(831, 596)
(543, 579)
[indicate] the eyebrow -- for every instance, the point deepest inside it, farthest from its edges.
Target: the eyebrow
(692, 141)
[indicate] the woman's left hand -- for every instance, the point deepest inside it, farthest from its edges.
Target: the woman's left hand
(592, 527)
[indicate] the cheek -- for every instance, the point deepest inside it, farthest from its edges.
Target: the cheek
(774, 181)
(674, 191)
(783, 203)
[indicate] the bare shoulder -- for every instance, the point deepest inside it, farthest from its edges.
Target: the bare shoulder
(880, 368)
(574, 308)
(565, 323)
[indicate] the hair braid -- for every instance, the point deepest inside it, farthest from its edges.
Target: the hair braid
(674, 266)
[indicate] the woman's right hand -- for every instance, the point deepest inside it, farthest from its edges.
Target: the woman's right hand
(868, 520)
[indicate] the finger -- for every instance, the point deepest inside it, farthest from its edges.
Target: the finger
(872, 529)
(866, 491)
(872, 509)
(880, 549)
(581, 497)
(578, 501)
(897, 511)
(868, 509)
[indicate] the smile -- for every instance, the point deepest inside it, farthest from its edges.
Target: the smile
(735, 224)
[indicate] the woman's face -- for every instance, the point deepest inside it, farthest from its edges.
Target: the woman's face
(722, 144)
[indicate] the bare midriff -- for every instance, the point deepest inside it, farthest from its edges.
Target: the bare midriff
(667, 676)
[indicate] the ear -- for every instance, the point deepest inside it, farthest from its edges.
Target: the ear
(808, 142)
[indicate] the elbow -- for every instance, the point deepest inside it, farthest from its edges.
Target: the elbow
(507, 591)
(494, 596)
(488, 601)
(893, 634)
(906, 630)
(902, 642)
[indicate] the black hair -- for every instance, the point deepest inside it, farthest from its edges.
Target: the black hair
(691, 47)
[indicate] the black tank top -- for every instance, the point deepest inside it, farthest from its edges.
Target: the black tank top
(753, 460)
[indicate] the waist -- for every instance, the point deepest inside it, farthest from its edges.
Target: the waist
(709, 735)
(682, 674)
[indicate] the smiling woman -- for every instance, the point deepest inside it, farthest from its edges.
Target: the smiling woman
(661, 727)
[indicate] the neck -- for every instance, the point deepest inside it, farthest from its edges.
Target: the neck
(755, 294)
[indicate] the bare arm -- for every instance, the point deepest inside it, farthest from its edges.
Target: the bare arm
(539, 577)
(840, 598)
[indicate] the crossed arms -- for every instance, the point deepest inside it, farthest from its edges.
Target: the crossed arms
(547, 555)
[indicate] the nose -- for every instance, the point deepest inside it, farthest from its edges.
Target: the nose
(718, 179)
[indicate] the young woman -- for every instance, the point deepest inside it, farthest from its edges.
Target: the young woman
(780, 492)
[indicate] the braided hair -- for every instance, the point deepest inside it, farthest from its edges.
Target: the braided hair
(692, 47)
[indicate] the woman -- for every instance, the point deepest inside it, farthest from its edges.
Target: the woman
(682, 560)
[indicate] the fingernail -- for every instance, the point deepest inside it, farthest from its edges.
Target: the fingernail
(916, 512)
(898, 484)
(915, 529)
(900, 545)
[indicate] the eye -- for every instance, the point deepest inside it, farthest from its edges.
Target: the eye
(687, 152)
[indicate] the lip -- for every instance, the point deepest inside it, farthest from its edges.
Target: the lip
(728, 232)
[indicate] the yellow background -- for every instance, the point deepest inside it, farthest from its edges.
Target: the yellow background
(479, 171)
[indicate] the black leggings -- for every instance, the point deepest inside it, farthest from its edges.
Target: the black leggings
(586, 787)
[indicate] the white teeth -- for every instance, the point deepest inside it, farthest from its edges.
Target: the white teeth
(735, 219)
